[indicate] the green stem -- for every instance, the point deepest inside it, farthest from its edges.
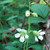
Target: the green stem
(29, 19)
(28, 31)
(28, 25)
(47, 3)
(27, 46)
(24, 45)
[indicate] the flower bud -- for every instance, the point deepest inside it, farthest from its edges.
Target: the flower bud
(27, 14)
(42, 2)
(35, 14)
(36, 33)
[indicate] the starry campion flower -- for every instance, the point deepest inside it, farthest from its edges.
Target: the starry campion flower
(22, 34)
(38, 35)
(27, 13)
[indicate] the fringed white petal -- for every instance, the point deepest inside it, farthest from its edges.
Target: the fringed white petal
(39, 31)
(42, 33)
(26, 36)
(17, 35)
(22, 39)
(36, 39)
(40, 37)
(19, 29)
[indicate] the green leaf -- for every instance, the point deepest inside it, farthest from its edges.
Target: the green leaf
(1, 47)
(12, 48)
(13, 23)
(36, 20)
(10, 18)
(6, 1)
(5, 29)
(36, 47)
(4, 35)
(15, 42)
(40, 9)
(31, 38)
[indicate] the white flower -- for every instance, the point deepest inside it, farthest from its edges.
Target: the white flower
(36, 39)
(22, 39)
(17, 35)
(41, 33)
(23, 34)
(40, 37)
(27, 13)
(26, 36)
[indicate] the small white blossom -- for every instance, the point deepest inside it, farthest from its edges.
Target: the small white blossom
(41, 33)
(40, 37)
(27, 13)
(36, 39)
(23, 34)
(22, 39)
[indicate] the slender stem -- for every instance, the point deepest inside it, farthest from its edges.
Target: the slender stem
(24, 45)
(28, 25)
(28, 31)
(29, 19)
(47, 2)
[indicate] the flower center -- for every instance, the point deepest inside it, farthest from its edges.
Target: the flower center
(23, 33)
(36, 33)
